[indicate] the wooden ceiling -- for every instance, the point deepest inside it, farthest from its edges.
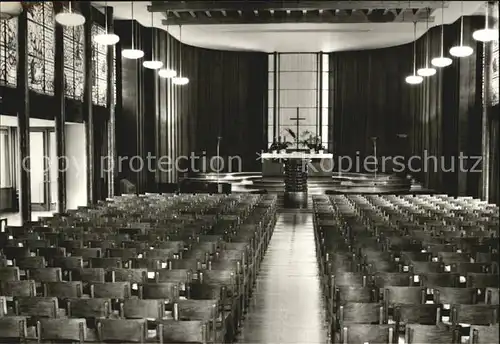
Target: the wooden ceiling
(299, 11)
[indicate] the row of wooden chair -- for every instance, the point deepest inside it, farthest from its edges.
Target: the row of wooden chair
(181, 268)
(384, 282)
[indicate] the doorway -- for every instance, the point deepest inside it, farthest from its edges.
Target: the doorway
(43, 168)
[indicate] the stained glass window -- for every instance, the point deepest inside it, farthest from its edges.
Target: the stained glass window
(41, 47)
(8, 52)
(99, 68)
(73, 62)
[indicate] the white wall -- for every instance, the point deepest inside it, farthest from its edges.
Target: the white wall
(76, 175)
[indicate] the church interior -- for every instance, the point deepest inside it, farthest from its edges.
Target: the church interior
(249, 171)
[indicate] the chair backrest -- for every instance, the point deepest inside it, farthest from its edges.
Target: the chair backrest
(195, 309)
(13, 328)
(165, 290)
(416, 334)
(25, 263)
(10, 273)
(418, 314)
(43, 307)
(483, 334)
(177, 275)
(353, 279)
(110, 290)
(396, 279)
(426, 267)
(474, 314)
(452, 295)
(433, 280)
(122, 330)
(191, 331)
(68, 263)
(92, 308)
(475, 280)
(46, 274)
(129, 275)
(361, 313)
(18, 288)
(356, 294)
(97, 275)
(73, 330)
(404, 295)
(139, 309)
(364, 333)
(106, 263)
(63, 290)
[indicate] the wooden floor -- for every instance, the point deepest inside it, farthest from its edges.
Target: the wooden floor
(287, 306)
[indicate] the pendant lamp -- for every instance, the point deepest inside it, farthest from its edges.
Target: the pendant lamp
(441, 61)
(487, 34)
(106, 38)
(427, 70)
(180, 80)
(461, 50)
(414, 79)
(132, 53)
(70, 18)
(168, 72)
(152, 64)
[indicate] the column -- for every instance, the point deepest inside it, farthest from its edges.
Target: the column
(87, 101)
(23, 119)
(60, 115)
(110, 61)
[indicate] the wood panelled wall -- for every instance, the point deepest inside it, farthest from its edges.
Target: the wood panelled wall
(441, 117)
(226, 97)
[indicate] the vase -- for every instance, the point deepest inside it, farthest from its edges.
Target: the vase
(321, 151)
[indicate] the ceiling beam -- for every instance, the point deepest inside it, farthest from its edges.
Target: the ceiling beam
(317, 19)
(220, 5)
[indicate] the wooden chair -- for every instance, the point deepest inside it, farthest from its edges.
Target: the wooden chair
(9, 274)
(88, 275)
(396, 279)
(122, 330)
(417, 314)
(192, 331)
(139, 309)
(45, 275)
(13, 329)
(358, 313)
(364, 333)
(110, 290)
(63, 290)
(452, 295)
(129, 275)
(475, 280)
(93, 308)
(434, 280)
(18, 288)
(56, 330)
(166, 291)
(416, 333)
(40, 307)
(404, 295)
(474, 314)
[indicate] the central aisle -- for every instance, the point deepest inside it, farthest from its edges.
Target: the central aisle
(287, 306)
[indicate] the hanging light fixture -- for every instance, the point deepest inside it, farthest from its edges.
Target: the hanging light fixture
(180, 80)
(441, 61)
(152, 64)
(487, 34)
(132, 53)
(70, 18)
(461, 50)
(414, 79)
(427, 70)
(106, 38)
(167, 72)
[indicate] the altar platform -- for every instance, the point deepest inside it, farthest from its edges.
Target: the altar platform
(344, 183)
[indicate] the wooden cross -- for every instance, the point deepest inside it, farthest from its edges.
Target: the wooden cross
(297, 119)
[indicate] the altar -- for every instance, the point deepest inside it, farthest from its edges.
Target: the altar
(319, 164)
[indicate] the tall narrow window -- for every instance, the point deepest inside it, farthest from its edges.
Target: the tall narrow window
(99, 68)
(8, 52)
(41, 47)
(298, 94)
